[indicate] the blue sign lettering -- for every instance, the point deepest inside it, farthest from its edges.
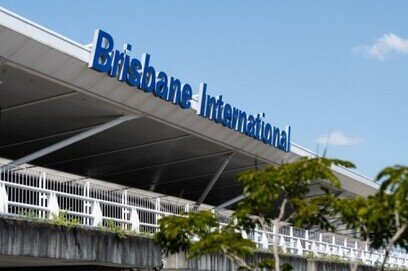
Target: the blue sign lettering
(142, 75)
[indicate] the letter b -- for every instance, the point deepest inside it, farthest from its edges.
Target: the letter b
(102, 46)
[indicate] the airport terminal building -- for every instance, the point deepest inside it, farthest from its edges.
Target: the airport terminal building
(102, 135)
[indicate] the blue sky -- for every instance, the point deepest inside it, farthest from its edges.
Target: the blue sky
(336, 72)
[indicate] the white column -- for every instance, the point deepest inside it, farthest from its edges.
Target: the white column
(292, 241)
(299, 248)
(158, 216)
(256, 236)
(125, 211)
(282, 243)
(307, 240)
(97, 218)
(87, 204)
(264, 241)
(134, 220)
(42, 196)
(53, 205)
(3, 199)
(320, 246)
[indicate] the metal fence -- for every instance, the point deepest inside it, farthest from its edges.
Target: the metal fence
(32, 193)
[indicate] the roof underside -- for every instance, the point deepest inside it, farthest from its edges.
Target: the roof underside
(142, 153)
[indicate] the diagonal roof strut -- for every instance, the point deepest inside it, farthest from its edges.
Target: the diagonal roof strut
(69, 141)
(214, 179)
(229, 203)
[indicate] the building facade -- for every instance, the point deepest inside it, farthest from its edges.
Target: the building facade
(103, 137)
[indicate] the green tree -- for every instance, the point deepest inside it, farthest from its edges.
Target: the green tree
(201, 233)
(286, 185)
(393, 197)
(381, 220)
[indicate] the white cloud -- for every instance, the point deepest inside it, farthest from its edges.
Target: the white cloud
(384, 47)
(338, 138)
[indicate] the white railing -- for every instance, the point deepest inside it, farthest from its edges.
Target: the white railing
(26, 192)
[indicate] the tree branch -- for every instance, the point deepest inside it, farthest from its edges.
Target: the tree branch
(235, 258)
(277, 227)
(390, 245)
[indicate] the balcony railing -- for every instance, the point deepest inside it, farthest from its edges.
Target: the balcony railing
(34, 193)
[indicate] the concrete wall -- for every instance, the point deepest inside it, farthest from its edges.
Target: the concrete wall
(26, 243)
(220, 263)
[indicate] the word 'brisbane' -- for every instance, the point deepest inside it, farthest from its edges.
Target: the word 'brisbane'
(140, 74)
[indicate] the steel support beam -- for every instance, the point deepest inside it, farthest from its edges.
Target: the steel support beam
(229, 203)
(213, 180)
(68, 141)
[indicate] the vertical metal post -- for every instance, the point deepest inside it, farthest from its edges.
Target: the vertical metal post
(282, 243)
(299, 248)
(291, 239)
(264, 241)
(42, 196)
(87, 204)
(306, 239)
(256, 236)
(158, 209)
(125, 211)
(320, 246)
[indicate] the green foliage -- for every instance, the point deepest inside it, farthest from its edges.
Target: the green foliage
(392, 204)
(314, 211)
(290, 181)
(380, 219)
(286, 267)
(176, 232)
(120, 231)
(267, 264)
(223, 239)
(64, 220)
(199, 233)
(32, 216)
